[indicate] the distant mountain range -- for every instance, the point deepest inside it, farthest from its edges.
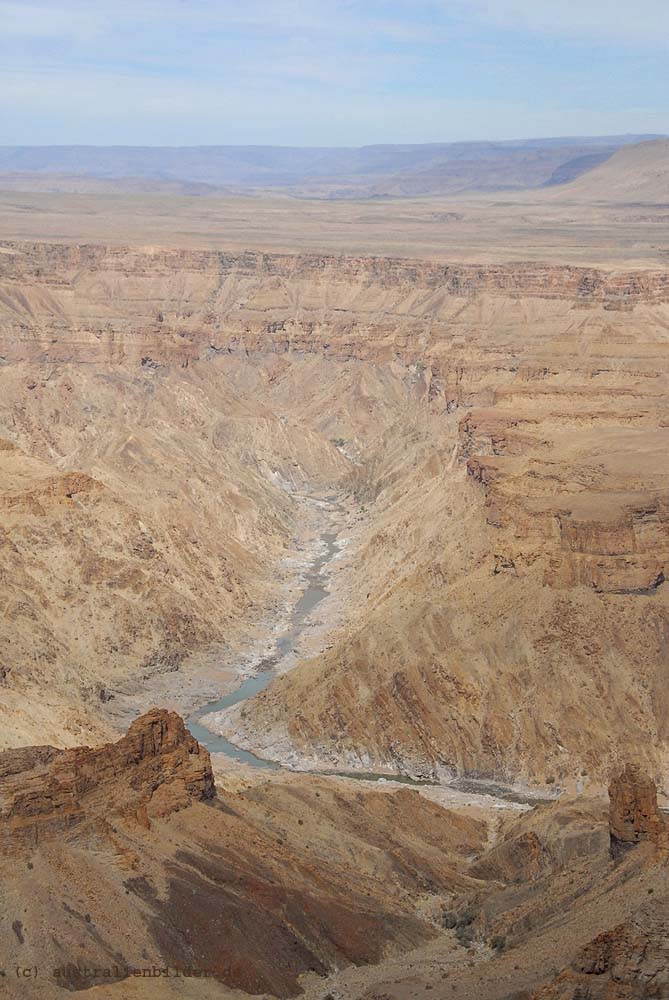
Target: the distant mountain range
(637, 174)
(335, 172)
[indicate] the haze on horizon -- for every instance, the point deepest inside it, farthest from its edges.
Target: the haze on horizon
(291, 73)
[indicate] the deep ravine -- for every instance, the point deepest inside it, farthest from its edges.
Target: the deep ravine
(315, 590)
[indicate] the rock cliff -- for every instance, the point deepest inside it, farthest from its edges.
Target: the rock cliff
(634, 816)
(154, 770)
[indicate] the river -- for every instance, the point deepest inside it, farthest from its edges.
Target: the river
(315, 591)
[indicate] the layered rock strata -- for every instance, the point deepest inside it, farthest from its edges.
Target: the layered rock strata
(504, 429)
(154, 770)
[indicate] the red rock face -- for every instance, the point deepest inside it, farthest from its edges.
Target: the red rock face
(155, 769)
(625, 963)
(633, 812)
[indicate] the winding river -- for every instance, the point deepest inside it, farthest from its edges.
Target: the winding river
(314, 592)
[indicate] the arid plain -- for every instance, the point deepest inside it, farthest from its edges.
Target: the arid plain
(602, 218)
(463, 403)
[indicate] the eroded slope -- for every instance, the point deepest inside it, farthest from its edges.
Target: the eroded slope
(123, 857)
(507, 611)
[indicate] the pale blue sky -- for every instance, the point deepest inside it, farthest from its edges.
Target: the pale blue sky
(310, 72)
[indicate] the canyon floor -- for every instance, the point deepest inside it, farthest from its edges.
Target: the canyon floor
(401, 472)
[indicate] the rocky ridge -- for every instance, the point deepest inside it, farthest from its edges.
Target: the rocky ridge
(154, 770)
(144, 864)
(124, 857)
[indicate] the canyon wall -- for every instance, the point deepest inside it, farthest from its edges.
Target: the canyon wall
(100, 303)
(504, 429)
(530, 353)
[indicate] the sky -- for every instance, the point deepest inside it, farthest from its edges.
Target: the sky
(317, 73)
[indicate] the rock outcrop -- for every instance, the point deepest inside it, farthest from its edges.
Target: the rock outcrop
(155, 769)
(634, 816)
(629, 962)
(121, 858)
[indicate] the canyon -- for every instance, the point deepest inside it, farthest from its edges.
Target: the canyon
(479, 446)
(525, 404)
